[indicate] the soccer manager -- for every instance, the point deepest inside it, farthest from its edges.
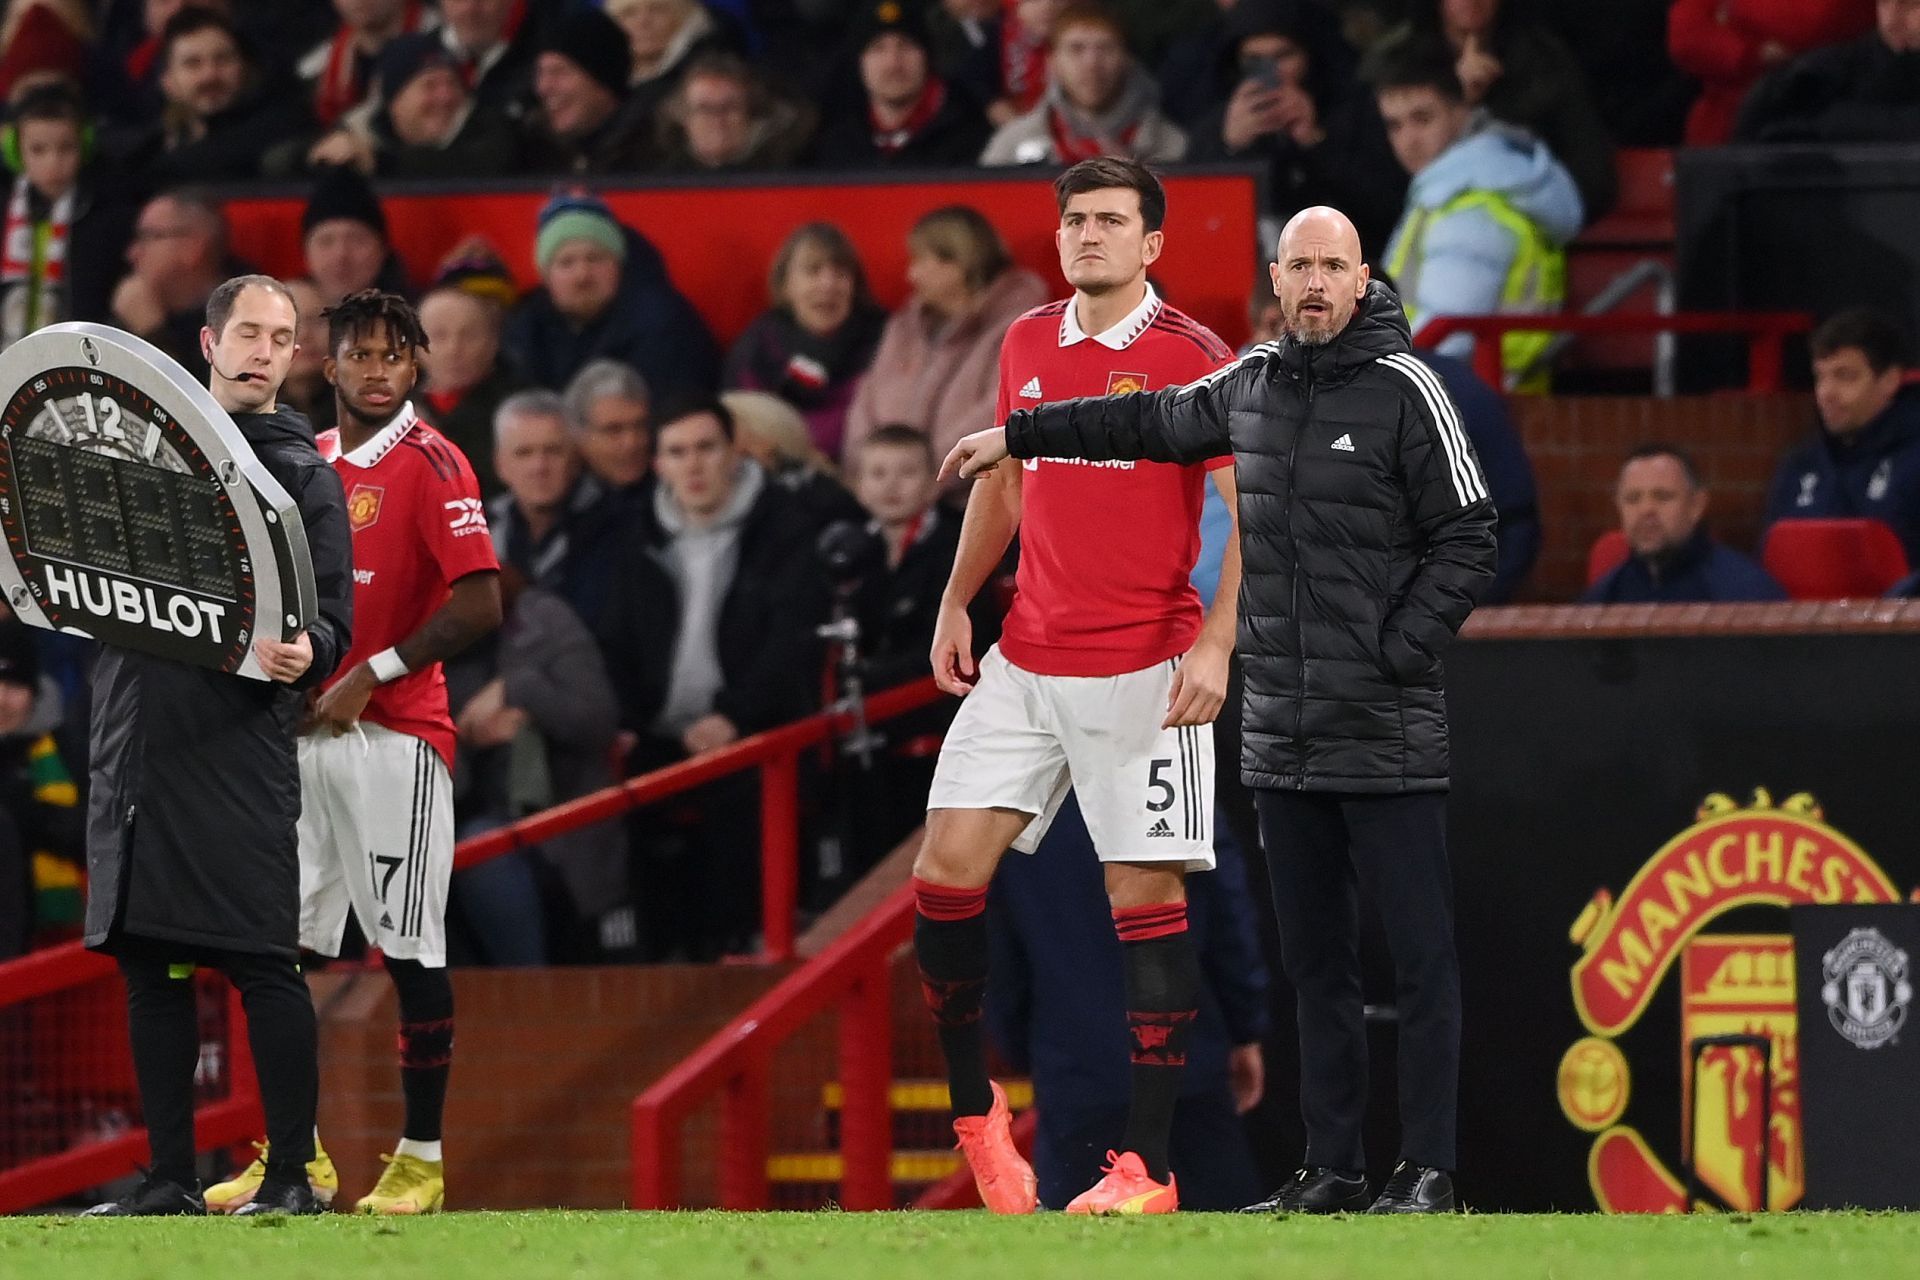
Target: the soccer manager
(1366, 534)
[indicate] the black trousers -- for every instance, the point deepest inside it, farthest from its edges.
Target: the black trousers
(163, 1019)
(1323, 850)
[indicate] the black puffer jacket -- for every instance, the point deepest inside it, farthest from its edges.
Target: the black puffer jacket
(1366, 533)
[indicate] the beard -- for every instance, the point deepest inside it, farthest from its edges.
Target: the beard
(1312, 333)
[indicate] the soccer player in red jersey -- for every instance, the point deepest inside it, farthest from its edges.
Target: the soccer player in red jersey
(376, 819)
(1105, 679)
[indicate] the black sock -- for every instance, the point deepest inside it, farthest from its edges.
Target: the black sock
(285, 1037)
(426, 1044)
(950, 943)
(1163, 990)
(164, 1025)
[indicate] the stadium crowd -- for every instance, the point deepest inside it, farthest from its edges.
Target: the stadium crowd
(678, 515)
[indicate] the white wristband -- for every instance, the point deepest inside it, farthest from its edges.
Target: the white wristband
(387, 666)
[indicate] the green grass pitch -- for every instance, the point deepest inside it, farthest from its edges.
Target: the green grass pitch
(946, 1246)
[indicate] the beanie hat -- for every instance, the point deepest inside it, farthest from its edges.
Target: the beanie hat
(340, 191)
(595, 43)
(480, 272)
(577, 215)
(406, 57)
(19, 658)
(892, 17)
(42, 44)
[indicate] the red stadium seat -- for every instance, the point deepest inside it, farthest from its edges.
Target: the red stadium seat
(1609, 552)
(1833, 559)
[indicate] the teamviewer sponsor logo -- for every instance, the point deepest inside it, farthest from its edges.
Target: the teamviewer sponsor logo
(465, 516)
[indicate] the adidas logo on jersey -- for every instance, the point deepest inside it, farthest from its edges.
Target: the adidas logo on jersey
(1344, 444)
(386, 921)
(1032, 390)
(1161, 828)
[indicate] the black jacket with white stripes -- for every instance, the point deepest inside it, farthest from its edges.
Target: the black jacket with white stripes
(1366, 533)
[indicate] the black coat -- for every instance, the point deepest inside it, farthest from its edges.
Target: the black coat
(769, 655)
(196, 789)
(1860, 91)
(1366, 535)
(954, 138)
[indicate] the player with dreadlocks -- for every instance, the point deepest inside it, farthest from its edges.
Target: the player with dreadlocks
(376, 753)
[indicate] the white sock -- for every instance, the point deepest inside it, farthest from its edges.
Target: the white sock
(428, 1151)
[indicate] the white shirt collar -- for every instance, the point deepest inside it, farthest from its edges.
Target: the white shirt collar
(1121, 335)
(377, 448)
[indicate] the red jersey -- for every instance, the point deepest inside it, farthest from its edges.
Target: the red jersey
(1106, 548)
(417, 528)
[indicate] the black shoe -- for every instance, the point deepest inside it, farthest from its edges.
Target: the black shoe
(281, 1197)
(1416, 1188)
(1317, 1189)
(153, 1198)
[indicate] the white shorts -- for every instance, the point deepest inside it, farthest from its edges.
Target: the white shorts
(376, 833)
(1021, 740)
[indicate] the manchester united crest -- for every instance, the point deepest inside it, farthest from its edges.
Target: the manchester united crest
(1736, 996)
(363, 505)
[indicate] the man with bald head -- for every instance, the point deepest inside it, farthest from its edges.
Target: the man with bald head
(1366, 535)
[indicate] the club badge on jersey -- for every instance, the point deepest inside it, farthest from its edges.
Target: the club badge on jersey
(134, 511)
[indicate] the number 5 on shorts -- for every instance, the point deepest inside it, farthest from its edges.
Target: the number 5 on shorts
(1159, 785)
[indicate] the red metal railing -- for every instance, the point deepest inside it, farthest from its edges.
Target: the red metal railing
(737, 1063)
(1766, 333)
(776, 753)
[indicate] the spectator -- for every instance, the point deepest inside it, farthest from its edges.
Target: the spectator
(68, 223)
(468, 376)
(710, 636)
(907, 117)
(965, 39)
(1864, 462)
(427, 124)
(1292, 109)
(664, 37)
(811, 346)
(608, 404)
(773, 434)
(40, 818)
(221, 113)
(178, 255)
(1728, 45)
(937, 367)
(339, 71)
(535, 714)
(1505, 467)
(1025, 32)
(585, 123)
(1522, 74)
(343, 234)
(1489, 211)
(552, 524)
(306, 387)
(1866, 90)
(492, 42)
(896, 599)
(1673, 560)
(1098, 101)
(604, 291)
(721, 117)
(1058, 1003)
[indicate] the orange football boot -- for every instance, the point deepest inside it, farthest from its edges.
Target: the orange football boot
(1126, 1189)
(1005, 1179)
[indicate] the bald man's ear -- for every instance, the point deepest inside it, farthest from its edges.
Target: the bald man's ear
(1366, 274)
